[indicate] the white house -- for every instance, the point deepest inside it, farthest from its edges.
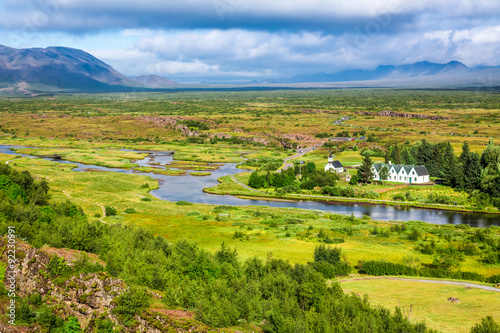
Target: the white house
(401, 173)
(334, 166)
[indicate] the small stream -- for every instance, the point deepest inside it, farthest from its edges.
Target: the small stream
(190, 188)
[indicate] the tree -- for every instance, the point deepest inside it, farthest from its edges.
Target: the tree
(226, 254)
(384, 173)
(450, 167)
(490, 159)
(255, 180)
(471, 169)
(330, 255)
(488, 325)
(396, 154)
(310, 167)
(365, 172)
(464, 156)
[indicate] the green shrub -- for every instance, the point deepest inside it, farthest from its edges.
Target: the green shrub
(145, 199)
(110, 211)
(130, 211)
(130, 303)
(183, 203)
(380, 268)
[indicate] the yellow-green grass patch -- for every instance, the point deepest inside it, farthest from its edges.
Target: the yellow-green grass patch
(429, 302)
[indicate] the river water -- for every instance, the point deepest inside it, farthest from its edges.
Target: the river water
(190, 188)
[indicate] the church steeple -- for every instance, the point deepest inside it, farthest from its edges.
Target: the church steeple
(330, 158)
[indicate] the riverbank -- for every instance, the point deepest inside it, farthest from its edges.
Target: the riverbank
(231, 186)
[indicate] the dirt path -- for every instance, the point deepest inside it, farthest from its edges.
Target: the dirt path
(94, 203)
(300, 152)
(245, 186)
(465, 284)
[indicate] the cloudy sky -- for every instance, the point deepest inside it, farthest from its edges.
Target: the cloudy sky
(245, 40)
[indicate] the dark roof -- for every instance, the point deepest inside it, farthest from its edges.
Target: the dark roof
(421, 170)
(379, 166)
(336, 164)
(398, 167)
(408, 168)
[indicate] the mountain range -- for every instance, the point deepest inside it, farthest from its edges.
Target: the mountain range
(385, 72)
(63, 68)
(28, 71)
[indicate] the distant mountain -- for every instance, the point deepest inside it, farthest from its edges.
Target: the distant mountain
(266, 81)
(57, 67)
(153, 81)
(418, 69)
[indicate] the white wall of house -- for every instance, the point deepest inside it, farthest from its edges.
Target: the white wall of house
(402, 177)
(330, 167)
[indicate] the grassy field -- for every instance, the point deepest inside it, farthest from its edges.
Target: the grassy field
(429, 303)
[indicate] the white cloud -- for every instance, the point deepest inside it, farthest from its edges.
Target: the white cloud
(178, 67)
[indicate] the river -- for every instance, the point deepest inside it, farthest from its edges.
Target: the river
(190, 188)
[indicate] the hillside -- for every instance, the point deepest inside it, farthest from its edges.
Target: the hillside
(56, 67)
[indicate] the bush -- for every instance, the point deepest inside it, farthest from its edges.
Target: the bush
(130, 303)
(183, 203)
(487, 325)
(110, 211)
(330, 271)
(494, 279)
(330, 255)
(145, 199)
(379, 268)
(130, 211)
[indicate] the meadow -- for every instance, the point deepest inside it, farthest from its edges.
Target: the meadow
(428, 301)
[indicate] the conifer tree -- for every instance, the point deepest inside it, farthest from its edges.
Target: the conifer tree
(396, 155)
(449, 167)
(365, 173)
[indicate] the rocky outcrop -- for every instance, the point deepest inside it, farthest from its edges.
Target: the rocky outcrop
(84, 296)
(171, 122)
(388, 113)
(317, 111)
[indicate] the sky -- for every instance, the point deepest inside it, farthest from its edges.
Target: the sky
(245, 40)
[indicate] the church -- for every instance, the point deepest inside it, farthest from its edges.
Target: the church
(334, 166)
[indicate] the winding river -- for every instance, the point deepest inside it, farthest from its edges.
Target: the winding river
(190, 188)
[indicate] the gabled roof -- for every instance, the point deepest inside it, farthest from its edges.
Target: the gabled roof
(398, 167)
(421, 170)
(408, 168)
(379, 166)
(336, 164)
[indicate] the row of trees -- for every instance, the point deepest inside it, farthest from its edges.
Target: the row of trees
(287, 180)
